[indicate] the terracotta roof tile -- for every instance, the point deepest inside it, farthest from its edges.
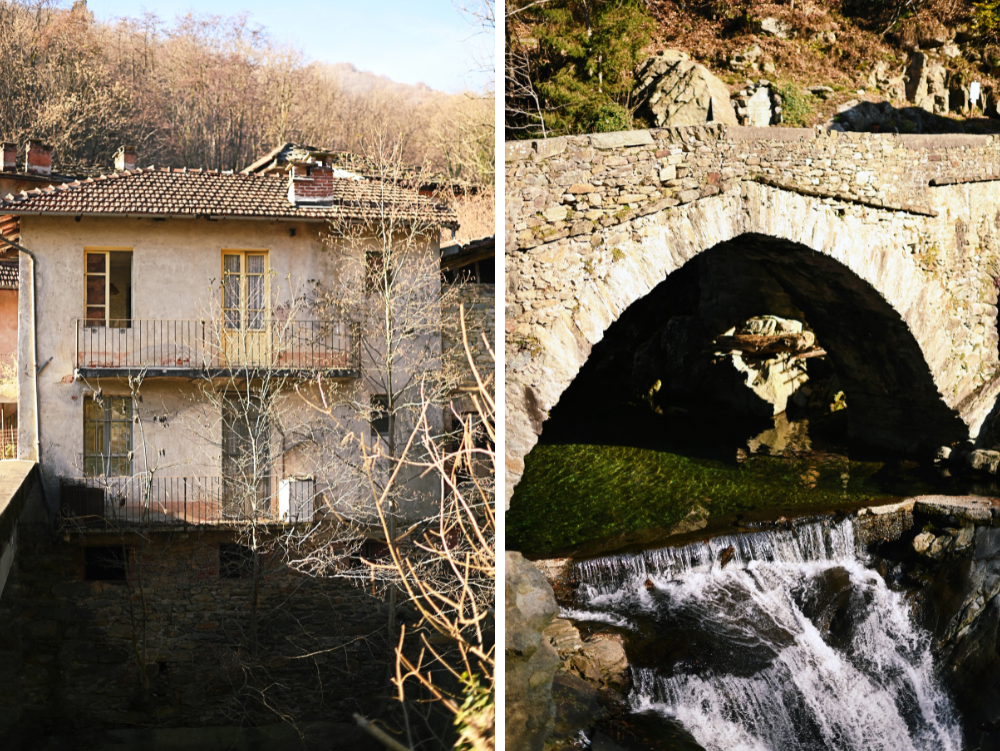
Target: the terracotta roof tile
(8, 274)
(185, 192)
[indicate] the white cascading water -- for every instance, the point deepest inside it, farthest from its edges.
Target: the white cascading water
(761, 676)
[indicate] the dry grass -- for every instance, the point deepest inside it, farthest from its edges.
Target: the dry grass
(711, 31)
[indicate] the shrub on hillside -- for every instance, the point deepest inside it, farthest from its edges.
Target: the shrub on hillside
(581, 55)
(796, 106)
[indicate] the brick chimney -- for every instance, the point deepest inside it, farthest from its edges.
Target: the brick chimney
(9, 157)
(125, 158)
(310, 183)
(39, 159)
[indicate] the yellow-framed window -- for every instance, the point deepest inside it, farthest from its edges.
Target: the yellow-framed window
(108, 287)
(107, 436)
(244, 289)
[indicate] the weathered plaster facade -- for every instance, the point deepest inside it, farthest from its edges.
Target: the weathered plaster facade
(176, 272)
(900, 234)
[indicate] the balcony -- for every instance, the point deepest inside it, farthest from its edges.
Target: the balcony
(191, 348)
(123, 503)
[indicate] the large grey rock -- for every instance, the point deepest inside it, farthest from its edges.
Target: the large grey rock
(531, 661)
(926, 84)
(674, 91)
(776, 27)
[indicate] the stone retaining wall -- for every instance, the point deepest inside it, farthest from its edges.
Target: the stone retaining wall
(68, 646)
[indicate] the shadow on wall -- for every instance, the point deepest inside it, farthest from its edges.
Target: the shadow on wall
(882, 117)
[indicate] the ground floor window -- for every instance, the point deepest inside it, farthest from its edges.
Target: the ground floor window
(104, 563)
(235, 561)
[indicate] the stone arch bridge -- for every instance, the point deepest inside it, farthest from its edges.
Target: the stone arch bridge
(889, 244)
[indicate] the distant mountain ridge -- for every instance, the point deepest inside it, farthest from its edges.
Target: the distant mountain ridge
(355, 81)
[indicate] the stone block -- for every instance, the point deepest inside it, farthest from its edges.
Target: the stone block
(621, 138)
(515, 151)
(546, 147)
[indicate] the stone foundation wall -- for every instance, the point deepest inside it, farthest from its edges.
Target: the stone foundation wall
(70, 648)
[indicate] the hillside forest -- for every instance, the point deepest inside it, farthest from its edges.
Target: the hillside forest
(212, 92)
(570, 64)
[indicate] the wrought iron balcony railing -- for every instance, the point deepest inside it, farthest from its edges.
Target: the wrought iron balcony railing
(124, 503)
(184, 347)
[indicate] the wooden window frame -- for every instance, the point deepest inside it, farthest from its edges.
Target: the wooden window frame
(375, 273)
(243, 311)
(105, 322)
(105, 457)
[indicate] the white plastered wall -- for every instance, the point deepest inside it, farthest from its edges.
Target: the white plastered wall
(176, 268)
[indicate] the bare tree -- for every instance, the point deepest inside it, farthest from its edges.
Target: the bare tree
(202, 91)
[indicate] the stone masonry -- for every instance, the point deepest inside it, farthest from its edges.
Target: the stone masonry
(70, 648)
(905, 228)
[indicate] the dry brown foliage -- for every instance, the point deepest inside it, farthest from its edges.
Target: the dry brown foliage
(712, 30)
(207, 91)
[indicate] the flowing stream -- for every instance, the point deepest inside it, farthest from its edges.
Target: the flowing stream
(773, 641)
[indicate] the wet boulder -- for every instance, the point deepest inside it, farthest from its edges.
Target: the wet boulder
(827, 600)
(602, 661)
(531, 661)
(599, 660)
(984, 460)
(578, 707)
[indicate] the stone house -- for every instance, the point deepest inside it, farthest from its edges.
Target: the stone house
(180, 276)
(152, 303)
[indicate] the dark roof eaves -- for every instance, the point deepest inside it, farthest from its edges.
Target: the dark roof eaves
(8, 210)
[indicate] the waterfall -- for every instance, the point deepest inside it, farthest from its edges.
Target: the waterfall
(774, 641)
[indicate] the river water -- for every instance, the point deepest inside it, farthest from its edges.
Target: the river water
(778, 640)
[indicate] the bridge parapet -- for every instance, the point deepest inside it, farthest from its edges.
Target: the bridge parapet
(570, 186)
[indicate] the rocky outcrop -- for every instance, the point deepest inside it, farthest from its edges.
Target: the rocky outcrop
(589, 684)
(531, 661)
(950, 557)
(927, 84)
(674, 91)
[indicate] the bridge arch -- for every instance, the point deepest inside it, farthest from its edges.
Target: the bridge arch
(851, 269)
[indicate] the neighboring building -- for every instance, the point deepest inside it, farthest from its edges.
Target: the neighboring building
(470, 270)
(8, 357)
(36, 173)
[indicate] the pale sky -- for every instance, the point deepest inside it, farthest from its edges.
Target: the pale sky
(410, 42)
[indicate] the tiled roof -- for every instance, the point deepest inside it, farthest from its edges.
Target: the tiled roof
(8, 274)
(456, 256)
(192, 193)
(278, 159)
